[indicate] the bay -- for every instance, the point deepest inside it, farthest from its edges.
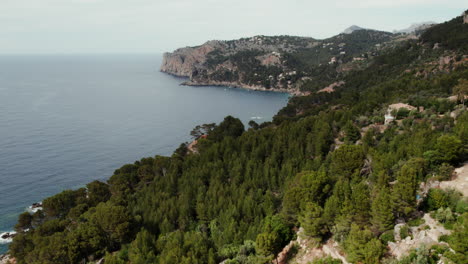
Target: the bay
(66, 120)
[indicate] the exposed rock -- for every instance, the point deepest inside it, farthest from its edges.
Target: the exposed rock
(331, 88)
(308, 250)
(34, 207)
(7, 235)
(240, 85)
(6, 259)
(272, 59)
(182, 62)
(460, 181)
(401, 105)
(421, 235)
(465, 18)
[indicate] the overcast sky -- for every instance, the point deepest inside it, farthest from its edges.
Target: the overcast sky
(153, 26)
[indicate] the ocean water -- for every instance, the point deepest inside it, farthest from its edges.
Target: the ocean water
(66, 120)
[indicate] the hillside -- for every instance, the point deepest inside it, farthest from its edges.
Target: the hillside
(280, 63)
(349, 174)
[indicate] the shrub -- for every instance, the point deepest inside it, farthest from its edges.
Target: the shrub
(387, 236)
(404, 232)
(416, 222)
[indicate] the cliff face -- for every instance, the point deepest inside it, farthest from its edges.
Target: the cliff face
(182, 62)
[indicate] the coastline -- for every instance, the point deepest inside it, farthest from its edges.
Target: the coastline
(242, 86)
(6, 259)
(292, 92)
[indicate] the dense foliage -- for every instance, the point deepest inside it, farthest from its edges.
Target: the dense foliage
(326, 164)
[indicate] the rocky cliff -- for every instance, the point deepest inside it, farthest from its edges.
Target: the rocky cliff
(183, 61)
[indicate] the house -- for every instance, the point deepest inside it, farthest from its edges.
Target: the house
(388, 118)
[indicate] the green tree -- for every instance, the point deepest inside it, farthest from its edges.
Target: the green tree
(230, 127)
(59, 204)
(404, 191)
(143, 249)
(347, 161)
(114, 221)
(461, 90)
(268, 244)
(352, 133)
(200, 130)
(361, 246)
(382, 211)
(312, 222)
(97, 192)
(24, 222)
(449, 147)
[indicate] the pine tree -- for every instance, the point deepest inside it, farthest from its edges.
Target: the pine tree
(382, 211)
(404, 191)
(311, 220)
(361, 204)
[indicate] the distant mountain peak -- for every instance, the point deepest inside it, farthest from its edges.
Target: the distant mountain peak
(415, 27)
(352, 28)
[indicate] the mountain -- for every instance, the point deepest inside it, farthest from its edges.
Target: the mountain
(358, 173)
(416, 27)
(351, 29)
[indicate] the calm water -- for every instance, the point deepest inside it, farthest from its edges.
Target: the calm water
(67, 120)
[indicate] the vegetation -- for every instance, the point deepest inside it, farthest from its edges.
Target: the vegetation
(240, 198)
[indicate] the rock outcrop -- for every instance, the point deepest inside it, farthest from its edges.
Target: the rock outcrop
(182, 62)
(427, 234)
(6, 259)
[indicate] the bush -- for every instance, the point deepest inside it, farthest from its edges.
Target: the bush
(388, 236)
(327, 260)
(444, 215)
(404, 232)
(416, 222)
(402, 113)
(462, 206)
(436, 199)
(444, 172)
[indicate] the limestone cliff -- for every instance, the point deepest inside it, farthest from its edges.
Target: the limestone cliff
(182, 62)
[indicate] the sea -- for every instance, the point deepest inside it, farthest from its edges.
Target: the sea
(66, 120)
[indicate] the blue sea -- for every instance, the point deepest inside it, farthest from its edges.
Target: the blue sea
(66, 120)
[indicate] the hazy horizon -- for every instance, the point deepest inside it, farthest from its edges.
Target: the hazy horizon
(145, 26)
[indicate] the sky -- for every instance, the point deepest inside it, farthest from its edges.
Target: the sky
(154, 26)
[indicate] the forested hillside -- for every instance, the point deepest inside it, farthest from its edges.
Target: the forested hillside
(329, 164)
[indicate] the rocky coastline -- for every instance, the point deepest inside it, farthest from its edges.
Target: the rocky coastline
(6, 259)
(293, 92)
